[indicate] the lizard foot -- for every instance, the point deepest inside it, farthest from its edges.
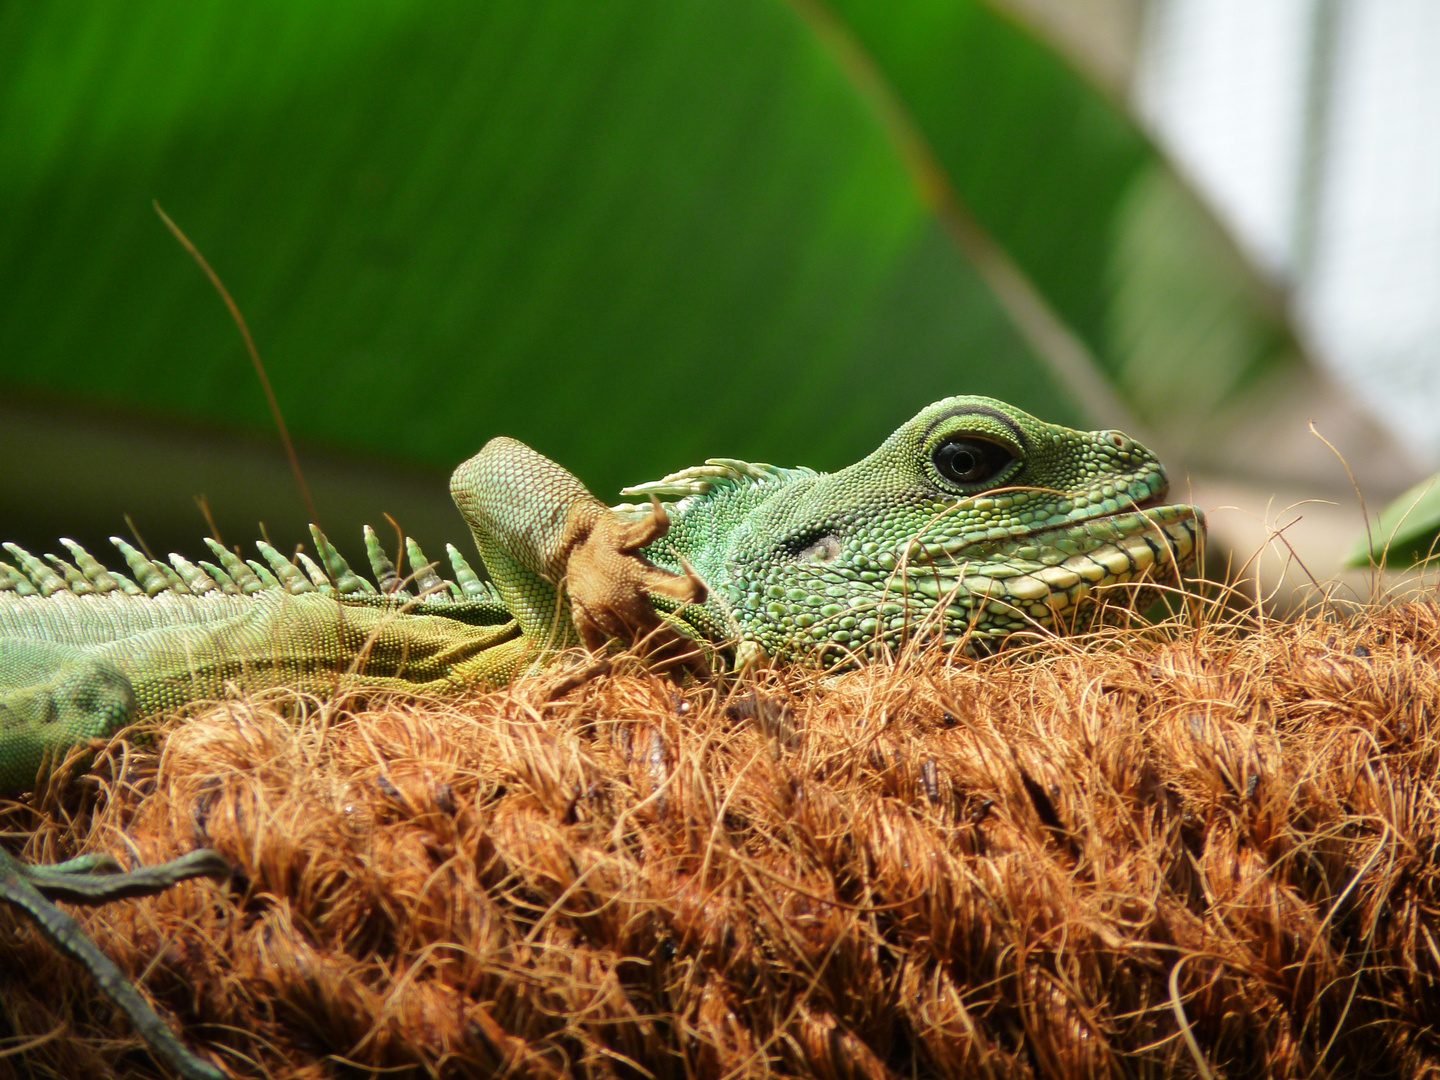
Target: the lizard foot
(611, 584)
(97, 879)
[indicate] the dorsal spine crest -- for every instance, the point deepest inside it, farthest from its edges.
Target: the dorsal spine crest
(328, 573)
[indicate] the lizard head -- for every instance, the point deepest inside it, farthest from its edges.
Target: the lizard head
(973, 521)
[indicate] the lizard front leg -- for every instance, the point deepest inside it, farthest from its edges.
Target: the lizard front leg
(546, 540)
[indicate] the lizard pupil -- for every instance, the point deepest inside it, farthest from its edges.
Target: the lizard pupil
(971, 461)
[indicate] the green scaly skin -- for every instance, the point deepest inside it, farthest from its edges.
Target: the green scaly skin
(825, 568)
(843, 566)
(971, 523)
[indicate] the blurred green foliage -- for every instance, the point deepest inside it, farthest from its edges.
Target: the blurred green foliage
(634, 234)
(1406, 532)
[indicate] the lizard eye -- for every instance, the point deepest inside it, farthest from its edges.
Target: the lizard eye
(967, 461)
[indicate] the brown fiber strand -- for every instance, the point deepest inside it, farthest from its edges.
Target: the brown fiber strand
(251, 350)
(1032, 865)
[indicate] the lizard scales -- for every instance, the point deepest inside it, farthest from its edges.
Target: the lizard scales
(970, 523)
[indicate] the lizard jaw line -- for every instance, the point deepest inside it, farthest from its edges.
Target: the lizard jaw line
(947, 607)
(1146, 516)
(1156, 552)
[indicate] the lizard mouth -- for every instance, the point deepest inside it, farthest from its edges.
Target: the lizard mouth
(1011, 585)
(982, 592)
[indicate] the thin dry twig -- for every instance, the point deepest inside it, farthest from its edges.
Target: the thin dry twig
(253, 352)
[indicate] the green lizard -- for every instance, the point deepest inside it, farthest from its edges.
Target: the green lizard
(972, 522)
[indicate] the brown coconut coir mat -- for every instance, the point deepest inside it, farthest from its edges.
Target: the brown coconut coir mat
(1185, 852)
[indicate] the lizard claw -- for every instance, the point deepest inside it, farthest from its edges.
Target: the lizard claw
(610, 586)
(631, 536)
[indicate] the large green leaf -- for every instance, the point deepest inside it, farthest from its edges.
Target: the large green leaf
(1407, 531)
(634, 234)
(1080, 200)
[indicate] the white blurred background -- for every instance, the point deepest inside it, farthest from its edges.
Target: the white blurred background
(1312, 127)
